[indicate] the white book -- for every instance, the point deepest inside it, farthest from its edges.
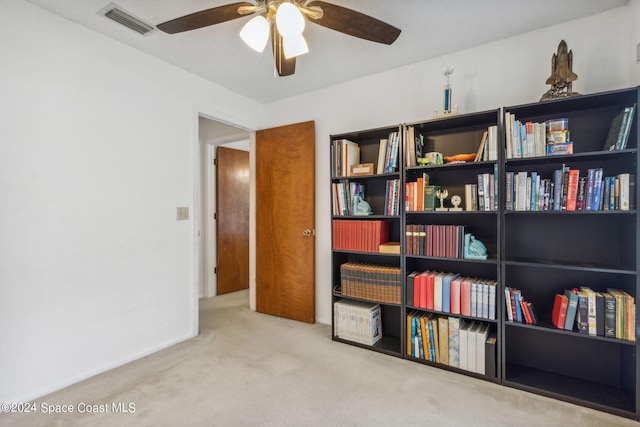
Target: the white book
(437, 292)
(507, 300)
(521, 192)
(382, 155)
(493, 142)
(507, 131)
(492, 300)
(623, 179)
(482, 334)
(485, 300)
(471, 347)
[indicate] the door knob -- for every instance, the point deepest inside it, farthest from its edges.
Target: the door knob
(307, 233)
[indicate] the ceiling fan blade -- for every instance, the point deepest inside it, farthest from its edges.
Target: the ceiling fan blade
(284, 67)
(354, 23)
(203, 18)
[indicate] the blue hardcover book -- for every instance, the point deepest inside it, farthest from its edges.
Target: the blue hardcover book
(557, 189)
(572, 307)
(414, 337)
(516, 297)
(446, 291)
(432, 350)
(597, 190)
(419, 341)
(590, 185)
(612, 193)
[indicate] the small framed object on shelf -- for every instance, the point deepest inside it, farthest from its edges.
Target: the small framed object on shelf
(362, 169)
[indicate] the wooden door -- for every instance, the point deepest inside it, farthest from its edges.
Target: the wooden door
(285, 221)
(232, 223)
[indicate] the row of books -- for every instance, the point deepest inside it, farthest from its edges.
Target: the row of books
(357, 321)
(392, 197)
(443, 241)
(518, 309)
(345, 195)
(372, 282)
(452, 293)
(451, 341)
(619, 130)
(488, 148)
(413, 146)
(344, 155)
(569, 191)
(608, 314)
(533, 139)
(359, 236)
(388, 153)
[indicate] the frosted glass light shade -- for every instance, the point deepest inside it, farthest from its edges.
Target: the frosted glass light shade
(294, 46)
(255, 33)
(289, 20)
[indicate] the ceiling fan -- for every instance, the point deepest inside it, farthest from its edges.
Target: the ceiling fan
(284, 21)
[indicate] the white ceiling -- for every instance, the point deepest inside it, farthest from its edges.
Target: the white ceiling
(430, 28)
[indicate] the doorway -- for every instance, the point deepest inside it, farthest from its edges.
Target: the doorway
(211, 135)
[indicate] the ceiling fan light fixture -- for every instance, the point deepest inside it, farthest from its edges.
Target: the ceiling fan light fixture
(294, 46)
(289, 20)
(255, 33)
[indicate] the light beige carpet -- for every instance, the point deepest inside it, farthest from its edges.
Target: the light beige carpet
(250, 369)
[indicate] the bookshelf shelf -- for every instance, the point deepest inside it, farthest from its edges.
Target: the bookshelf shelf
(452, 167)
(575, 390)
(456, 260)
(540, 253)
(366, 177)
(546, 326)
(579, 157)
(338, 294)
(554, 264)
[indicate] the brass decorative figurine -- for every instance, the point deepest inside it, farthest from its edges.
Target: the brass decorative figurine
(442, 194)
(562, 74)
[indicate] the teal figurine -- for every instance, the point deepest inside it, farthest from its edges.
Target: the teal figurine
(361, 207)
(473, 248)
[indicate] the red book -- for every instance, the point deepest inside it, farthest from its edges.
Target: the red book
(465, 297)
(422, 280)
(455, 295)
(559, 313)
(430, 293)
(525, 311)
(416, 290)
(513, 305)
(572, 189)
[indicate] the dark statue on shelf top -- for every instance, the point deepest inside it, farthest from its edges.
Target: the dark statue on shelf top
(562, 74)
(361, 207)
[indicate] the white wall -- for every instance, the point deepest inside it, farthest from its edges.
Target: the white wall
(98, 146)
(508, 72)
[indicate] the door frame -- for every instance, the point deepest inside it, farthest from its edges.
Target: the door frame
(203, 168)
(210, 249)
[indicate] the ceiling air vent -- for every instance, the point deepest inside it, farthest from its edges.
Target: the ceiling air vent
(116, 13)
